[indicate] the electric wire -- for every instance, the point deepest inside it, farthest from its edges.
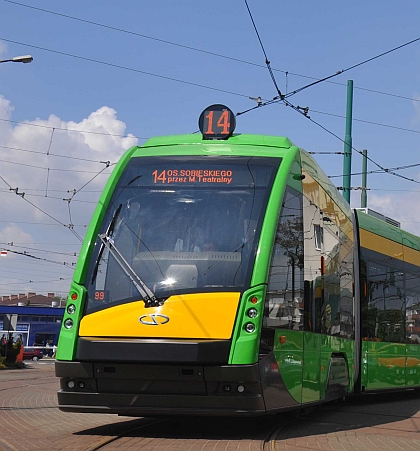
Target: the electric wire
(73, 130)
(367, 122)
(131, 69)
(50, 154)
(304, 111)
(218, 55)
(109, 134)
(25, 254)
(352, 67)
(69, 254)
(267, 62)
(50, 169)
(22, 195)
(23, 281)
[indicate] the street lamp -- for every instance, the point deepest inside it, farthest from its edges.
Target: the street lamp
(19, 59)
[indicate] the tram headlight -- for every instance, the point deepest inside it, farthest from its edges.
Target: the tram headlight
(249, 327)
(252, 312)
(71, 384)
(68, 323)
(71, 309)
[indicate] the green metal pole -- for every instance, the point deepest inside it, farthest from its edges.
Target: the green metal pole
(363, 201)
(348, 143)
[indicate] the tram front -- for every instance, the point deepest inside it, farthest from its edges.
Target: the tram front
(164, 314)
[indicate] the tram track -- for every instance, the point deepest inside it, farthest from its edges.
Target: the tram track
(269, 442)
(103, 443)
(263, 436)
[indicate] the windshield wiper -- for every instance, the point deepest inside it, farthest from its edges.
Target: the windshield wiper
(108, 232)
(149, 299)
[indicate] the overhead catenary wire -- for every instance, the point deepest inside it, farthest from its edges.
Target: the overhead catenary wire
(118, 66)
(21, 272)
(69, 254)
(35, 257)
(50, 154)
(389, 171)
(24, 281)
(410, 130)
(22, 195)
(53, 129)
(352, 67)
(267, 62)
(187, 47)
(73, 130)
(304, 111)
(40, 223)
(51, 169)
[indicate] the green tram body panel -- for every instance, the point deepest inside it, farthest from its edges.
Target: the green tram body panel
(390, 302)
(313, 353)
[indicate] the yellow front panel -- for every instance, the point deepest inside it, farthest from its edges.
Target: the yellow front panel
(204, 315)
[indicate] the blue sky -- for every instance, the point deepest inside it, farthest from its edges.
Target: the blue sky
(150, 58)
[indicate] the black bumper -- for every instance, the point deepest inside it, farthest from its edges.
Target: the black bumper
(149, 389)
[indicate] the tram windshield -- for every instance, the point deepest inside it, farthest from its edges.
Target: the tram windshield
(180, 225)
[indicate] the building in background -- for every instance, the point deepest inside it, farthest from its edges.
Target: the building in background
(37, 318)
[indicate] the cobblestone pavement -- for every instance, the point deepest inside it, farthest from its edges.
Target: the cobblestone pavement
(31, 421)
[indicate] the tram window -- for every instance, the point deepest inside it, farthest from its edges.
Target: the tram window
(195, 235)
(284, 301)
(412, 308)
(386, 303)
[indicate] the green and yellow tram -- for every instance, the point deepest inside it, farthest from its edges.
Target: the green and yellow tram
(224, 274)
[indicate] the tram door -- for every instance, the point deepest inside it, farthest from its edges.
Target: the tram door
(284, 301)
(313, 249)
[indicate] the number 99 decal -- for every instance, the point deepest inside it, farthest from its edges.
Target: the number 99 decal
(100, 296)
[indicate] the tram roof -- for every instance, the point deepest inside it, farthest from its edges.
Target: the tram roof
(386, 230)
(237, 139)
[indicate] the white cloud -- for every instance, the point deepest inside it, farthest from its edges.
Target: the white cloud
(33, 159)
(404, 208)
(35, 165)
(104, 120)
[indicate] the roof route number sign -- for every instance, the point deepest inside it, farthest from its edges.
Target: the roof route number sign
(217, 122)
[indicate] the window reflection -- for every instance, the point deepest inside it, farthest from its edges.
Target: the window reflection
(284, 303)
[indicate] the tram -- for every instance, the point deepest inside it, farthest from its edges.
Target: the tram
(224, 274)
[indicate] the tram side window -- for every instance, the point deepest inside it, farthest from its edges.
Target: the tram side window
(412, 308)
(328, 250)
(284, 301)
(386, 303)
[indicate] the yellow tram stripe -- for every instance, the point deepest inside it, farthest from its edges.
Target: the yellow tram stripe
(385, 246)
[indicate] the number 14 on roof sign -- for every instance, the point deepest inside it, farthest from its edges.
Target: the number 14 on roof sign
(217, 122)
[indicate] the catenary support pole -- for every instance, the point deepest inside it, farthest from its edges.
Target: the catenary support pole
(348, 143)
(363, 200)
